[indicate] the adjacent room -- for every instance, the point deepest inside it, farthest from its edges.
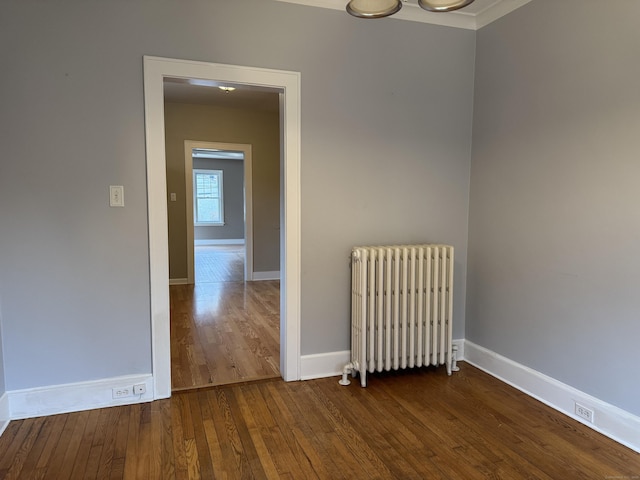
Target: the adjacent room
(507, 129)
(222, 146)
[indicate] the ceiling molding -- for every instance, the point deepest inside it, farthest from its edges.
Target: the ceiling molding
(497, 10)
(473, 17)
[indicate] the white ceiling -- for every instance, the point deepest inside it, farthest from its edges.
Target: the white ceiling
(182, 90)
(472, 17)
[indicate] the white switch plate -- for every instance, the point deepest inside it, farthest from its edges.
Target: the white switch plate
(173, 197)
(116, 196)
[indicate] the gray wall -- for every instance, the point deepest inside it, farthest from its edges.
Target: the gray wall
(386, 132)
(212, 123)
(555, 224)
(2, 381)
(233, 203)
(386, 146)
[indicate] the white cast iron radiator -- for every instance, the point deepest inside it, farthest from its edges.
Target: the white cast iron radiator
(401, 309)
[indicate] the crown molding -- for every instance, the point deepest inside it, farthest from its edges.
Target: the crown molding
(497, 10)
(483, 13)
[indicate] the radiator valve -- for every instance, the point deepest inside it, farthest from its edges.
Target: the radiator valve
(348, 368)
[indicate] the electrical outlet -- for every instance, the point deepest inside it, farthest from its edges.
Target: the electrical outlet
(584, 412)
(139, 389)
(121, 392)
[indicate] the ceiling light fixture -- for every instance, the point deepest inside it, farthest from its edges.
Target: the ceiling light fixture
(443, 5)
(384, 8)
(373, 8)
(227, 89)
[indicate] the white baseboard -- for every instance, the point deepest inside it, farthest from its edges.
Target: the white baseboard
(178, 281)
(5, 415)
(330, 364)
(323, 365)
(609, 420)
(275, 275)
(75, 397)
(221, 241)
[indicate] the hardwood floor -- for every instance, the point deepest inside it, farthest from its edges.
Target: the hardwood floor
(220, 263)
(416, 424)
(223, 330)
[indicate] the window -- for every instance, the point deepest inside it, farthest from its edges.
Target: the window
(208, 206)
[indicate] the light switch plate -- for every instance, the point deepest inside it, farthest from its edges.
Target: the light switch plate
(116, 196)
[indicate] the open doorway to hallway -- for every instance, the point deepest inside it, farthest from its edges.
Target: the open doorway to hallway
(287, 83)
(225, 328)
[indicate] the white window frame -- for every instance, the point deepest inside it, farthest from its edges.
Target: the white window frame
(220, 175)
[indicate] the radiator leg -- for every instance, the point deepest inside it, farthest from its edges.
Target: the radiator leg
(454, 360)
(345, 373)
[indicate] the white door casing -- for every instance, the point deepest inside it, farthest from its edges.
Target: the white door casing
(155, 70)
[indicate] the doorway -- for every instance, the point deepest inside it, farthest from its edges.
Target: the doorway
(234, 152)
(223, 329)
(155, 70)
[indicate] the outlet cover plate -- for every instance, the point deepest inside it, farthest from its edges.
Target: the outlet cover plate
(583, 412)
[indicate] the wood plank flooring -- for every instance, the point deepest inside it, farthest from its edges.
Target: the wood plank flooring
(416, 424)
(219, 263)
(224, 332)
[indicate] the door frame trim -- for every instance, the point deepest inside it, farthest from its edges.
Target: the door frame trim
(288, 83)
